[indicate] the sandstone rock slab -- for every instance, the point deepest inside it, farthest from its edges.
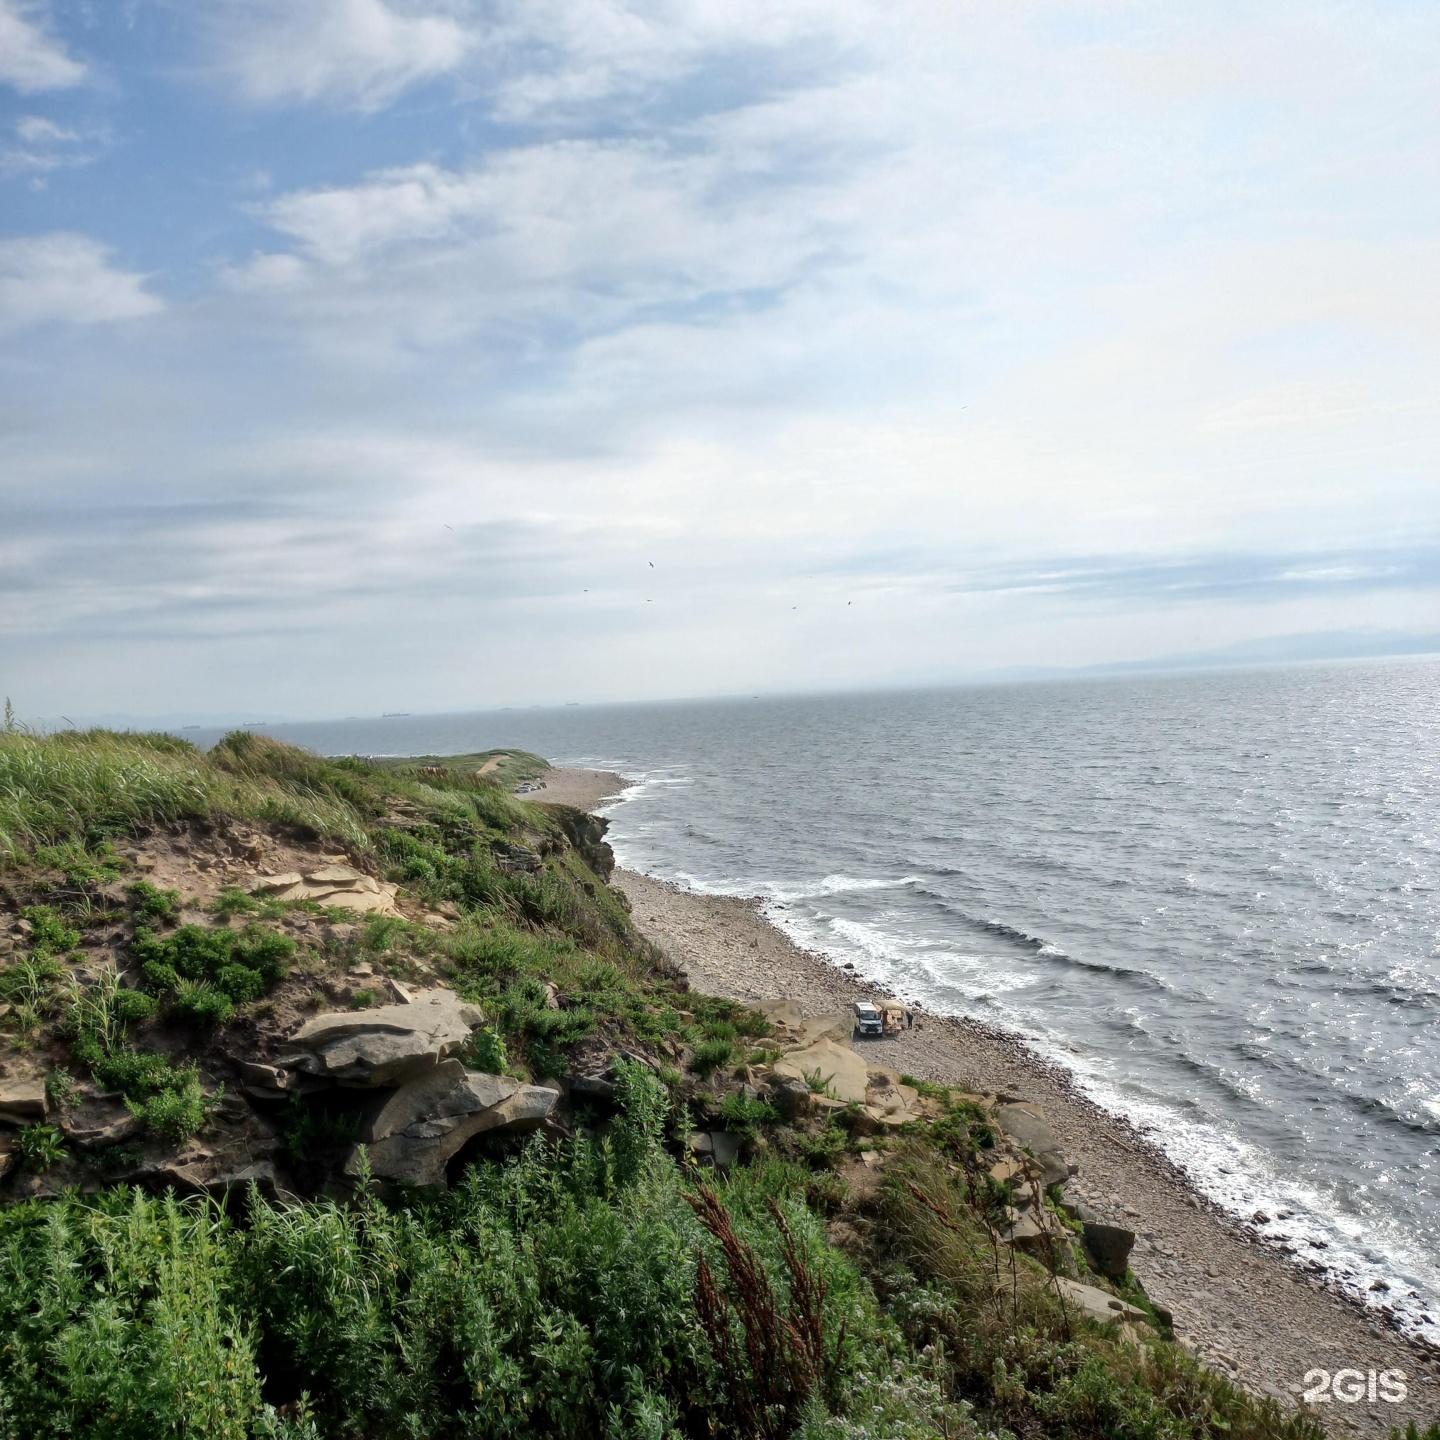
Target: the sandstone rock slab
(385, 1046)
(1099, 1305)
(779, 1012)
(427, 1121)
(332, 884)
(22, 1101)
(845, 1072)
(100, 1121)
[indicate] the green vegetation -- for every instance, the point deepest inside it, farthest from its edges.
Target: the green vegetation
(95, 785)
(598, 1286)
(40, 1146)
(506, 768)
(167, 1098)
(206, 973)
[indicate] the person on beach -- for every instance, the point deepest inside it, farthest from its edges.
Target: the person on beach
(909, 1018)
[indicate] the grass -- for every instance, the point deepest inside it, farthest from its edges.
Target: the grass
(95, 785)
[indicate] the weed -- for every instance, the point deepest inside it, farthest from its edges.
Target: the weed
(362, 999)
(49, 934)
(61, 1088)
(711, 1055)
(487, 1052)
(208, 972)
(744, 1116)
(311, 1133)
(40, 1146)
(231, 901)
(166, 1097)
(151, 904)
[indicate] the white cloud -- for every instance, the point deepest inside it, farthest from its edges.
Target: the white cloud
(69, 278)
(352, 53)
(31, 60)
(40, 145)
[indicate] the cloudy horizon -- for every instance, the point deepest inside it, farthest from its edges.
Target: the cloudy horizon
(362, 355)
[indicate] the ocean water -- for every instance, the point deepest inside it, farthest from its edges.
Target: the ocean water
(1215, 898)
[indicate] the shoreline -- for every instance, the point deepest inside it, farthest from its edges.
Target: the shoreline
(1238, 1304)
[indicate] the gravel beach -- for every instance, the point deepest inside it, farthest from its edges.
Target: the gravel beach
(1244, 1308)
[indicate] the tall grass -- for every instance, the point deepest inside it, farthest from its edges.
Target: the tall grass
(550, 1295)
(97, 783)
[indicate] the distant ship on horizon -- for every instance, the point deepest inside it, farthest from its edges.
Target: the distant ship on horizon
(395, 715)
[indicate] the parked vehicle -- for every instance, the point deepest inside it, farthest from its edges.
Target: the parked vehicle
(868, 1020)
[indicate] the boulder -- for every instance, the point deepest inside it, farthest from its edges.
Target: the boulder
(1109, 1247)
(724, 1149)
(1026, 1125)
(99, 1121)
(1033, 1229)
(791, 1097)
(22, 1102)
(1079, 1210)
(1100, 1305)
(779, 1012)
(385, 1046)
(886, 1094)
(719, 1147)
(426, 1122)
(845, 1072)
(839, 1027)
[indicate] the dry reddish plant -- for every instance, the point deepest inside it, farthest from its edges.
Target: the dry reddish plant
(785, 1354)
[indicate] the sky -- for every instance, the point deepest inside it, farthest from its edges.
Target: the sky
(365, 355)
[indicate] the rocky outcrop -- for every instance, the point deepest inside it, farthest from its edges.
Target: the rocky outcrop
(99, 1121)
(390, 1045)
(1099, 1305)
(1109, 1248)
(427, 1122)
(332, 884)
(586, 833)
(1026, 1125)
(22, 1102)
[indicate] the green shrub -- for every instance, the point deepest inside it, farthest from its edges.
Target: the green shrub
(166, 1097)
(49, 934)
(138, 1074)
(744, 1116)
(40, 1145)
(711, 1055)
(149, 903)
(362, 999)
(487, 1052)
(231, 901)
(60, 1088)
(312, 1133)
(204, 1004)
(174, 1115)
(134, 1007)
(209, 972)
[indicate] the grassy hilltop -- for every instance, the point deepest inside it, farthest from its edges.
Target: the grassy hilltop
(587, 1280)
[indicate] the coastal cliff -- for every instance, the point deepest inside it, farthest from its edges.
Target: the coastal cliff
(347, 1099)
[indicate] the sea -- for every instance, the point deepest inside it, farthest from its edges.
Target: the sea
(1213, 897)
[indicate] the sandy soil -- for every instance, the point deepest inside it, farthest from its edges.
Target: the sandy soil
(1244, 1308)
(585, 789)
